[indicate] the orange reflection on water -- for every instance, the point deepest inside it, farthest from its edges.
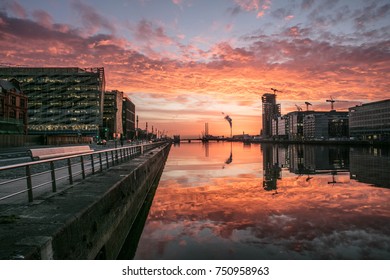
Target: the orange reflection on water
(233, 217)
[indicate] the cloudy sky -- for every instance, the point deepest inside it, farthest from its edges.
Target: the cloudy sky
(184, 62)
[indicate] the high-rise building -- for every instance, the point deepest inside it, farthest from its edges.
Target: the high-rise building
(61, 101)
(370, 121)
(112, 114)
(128, 118)
(271, 111)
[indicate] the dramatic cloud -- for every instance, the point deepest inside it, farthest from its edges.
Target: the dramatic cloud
(257, 6)
(145, 31)
(92, 19)
(307, 60)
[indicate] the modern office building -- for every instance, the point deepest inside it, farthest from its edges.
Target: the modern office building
(280, 126)
(128, 118)
(61, 101)
(295, 124)
(370, 121)
(112, 114)
(271, 111)
(325, 125)
(13, 108)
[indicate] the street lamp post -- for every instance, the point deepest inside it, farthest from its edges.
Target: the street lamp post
(115, 129)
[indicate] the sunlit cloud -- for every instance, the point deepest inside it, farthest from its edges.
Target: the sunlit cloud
(258, 6)
(305, 62)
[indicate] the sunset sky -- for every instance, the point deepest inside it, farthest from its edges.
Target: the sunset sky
(184, 62)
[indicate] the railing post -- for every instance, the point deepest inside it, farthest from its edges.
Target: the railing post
(29, 184)
(112, 158)
(108, 165)
(53, 177)
(142, 149)
(101, 162)
(70, 172)
(82, 167)
(92, 165)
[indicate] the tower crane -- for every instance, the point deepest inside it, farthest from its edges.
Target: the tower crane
(298, 107)
(275, 90)
(307, 105)
(331, 100)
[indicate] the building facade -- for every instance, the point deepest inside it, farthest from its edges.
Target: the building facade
(295, 125)
(370, 121)
(13, 108)
(61, 101)
(112, 114)
(270, 111)
(280, 127)
(325, 125)
(128, 118)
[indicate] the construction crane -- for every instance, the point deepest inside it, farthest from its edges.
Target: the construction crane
(298, 107)
(331, 100)
(307, 105)
(275, 90)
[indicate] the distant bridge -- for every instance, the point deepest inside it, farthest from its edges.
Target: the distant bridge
(204, 139)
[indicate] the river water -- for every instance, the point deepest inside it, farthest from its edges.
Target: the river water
(234, 201)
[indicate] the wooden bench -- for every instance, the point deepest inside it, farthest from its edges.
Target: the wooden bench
(46, 153)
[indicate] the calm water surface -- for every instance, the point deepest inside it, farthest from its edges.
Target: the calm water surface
(236, 201)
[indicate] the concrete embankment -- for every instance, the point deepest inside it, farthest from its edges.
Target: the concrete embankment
(88, 221)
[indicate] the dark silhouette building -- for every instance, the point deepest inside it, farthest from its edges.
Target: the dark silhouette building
(13, 108)
(271, 111)
(112, 114)
(128, 118)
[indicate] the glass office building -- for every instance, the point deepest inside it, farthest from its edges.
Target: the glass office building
(370, 121)
(61, 101)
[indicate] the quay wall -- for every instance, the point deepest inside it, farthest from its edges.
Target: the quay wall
(88, 221)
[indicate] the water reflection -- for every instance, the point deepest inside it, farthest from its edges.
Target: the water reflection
(271, 202)
(371, 165)
(302, 160)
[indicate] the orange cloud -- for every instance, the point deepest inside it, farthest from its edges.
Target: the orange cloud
(158, 65)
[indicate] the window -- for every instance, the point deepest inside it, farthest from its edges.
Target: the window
(12, 114)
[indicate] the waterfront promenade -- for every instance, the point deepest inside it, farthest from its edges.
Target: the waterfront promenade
(79, 220)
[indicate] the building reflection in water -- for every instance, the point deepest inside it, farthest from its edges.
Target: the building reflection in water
(271, 167)
(201, 211)
(370, 165)
(365, 164)
(302, 160)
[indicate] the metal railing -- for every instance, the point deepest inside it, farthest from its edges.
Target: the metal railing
(35, 178)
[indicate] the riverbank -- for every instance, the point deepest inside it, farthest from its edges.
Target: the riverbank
(320, 142)
(89, 220)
